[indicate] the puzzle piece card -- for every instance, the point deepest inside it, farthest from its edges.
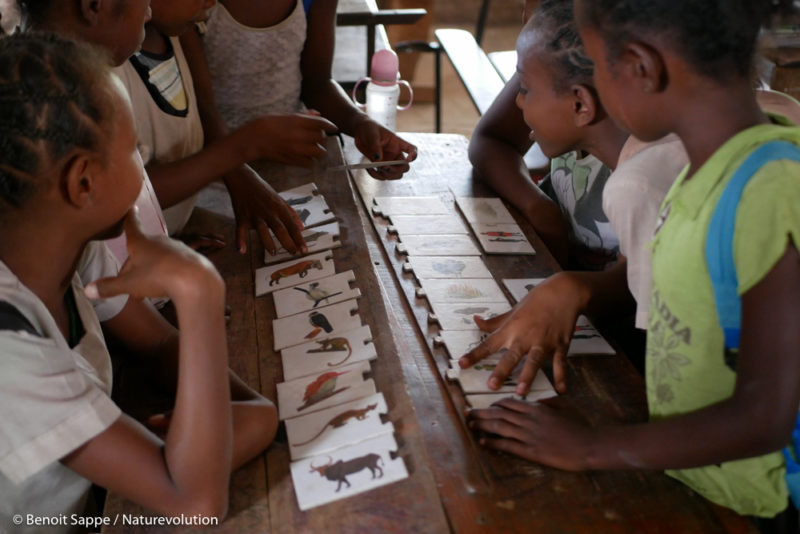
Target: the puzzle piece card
(437, 245)
(427, 225)
(458, 316)
(427, 267)
(587, 340)
(485, 210)
(461, 290)
(309, 205)
(346, 472)
(519, 287)
(474, 379)
(481, 401)
(327, 353)
(317, 239)
(347, 424)
(291, 273)
(310, 295)
(390, 206)
(460, 342)
(316, 324)
(502, 238)
(313, 393)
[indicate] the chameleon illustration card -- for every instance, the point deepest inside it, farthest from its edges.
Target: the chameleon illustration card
(317, 239)
(390, 206)
(427, 267)
(461, 290)
(328, 352)
(313, 393)
(460, 342)
(474, 379)
(502, 238)
(315, 324)
(427, 224)
(327, 430)
(519, 287)
(458, 316)
(485, 210)
(481, 401)
(312, 295)
(437, 245)
(309, 205)
(293, 272)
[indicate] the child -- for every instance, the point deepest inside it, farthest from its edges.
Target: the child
(684, 67)
(70, 174)
(268, 60)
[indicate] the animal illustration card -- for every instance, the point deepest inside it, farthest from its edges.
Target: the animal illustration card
(316, 324)
(460, 342)
(309, 205)
(313, 393)
(317, 239)
(461, 290)
(474, 379)
(347, 471)
(312, 295)
(481, 401)
(427, 267)
(502, 238)
(437, 245)
(519, 287)
(328, 352)
(427, 224)
(293, 272)
(485, 210)
(327, 430)
(458, 316)
(390, 206)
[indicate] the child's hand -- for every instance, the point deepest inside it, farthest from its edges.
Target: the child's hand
(379, 144)
(293, 139)
(257, 206)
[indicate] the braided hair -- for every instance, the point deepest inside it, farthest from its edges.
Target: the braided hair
(54, 98)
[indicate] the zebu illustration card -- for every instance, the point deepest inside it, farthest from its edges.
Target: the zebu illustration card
(461, 290)
(317, 239)
(437, 245)
(389, 206)
(294, 272)
(347, 471)
(460, 342)
(474, 379)
(481, 401)
(333, 428)
(327, 353)
(313, 393)
(311, 295)
(316, 324)
(485, 210)
(458, 316)
(502, 238)
(427, 224)
(426, 267)
(519, 287)
(309, 205)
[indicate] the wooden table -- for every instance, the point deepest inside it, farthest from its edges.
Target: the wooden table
(454, 484)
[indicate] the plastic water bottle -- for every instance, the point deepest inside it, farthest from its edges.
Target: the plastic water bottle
(383, 89)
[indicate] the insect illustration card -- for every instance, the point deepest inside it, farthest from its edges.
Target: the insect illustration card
(519, 287)
(294, 272)
(427, 224)
(315, 324)
(502, 238)
(486, 210)
(317, 239)
(460, 342)
(458, 316)
(437, 245)
(481, 401)
(330, 388)
(328, 352)
(309, 205)
(390, 206)
(311, 295)
(333, 428)
(461, 290)
(426, 267)
(474, 379)
(346, 472)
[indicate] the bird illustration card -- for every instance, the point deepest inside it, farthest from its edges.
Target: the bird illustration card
(481, 401)
(519, 287)
(347, 471)
(485, 210)
(437, 245)
(426, 267)
(293, 272)
(427, 224)
(474, 379)
(316, 324)
(311, 295)
(317, 239)
(313, 393)
(459, 316)
(328, 352)
(502, 238)
(330, 429)
(390, 206)
(309, 205)
(461, 290)
(460, 342)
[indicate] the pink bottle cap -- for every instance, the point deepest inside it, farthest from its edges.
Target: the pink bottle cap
(384, 67)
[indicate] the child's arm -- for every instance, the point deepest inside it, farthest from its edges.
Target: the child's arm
(496, 150)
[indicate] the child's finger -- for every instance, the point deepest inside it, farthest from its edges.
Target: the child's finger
(106, 287)
(491, 324)
(486, 348)
(294, 227)
(241, 236)
(559, 370)
(264, 235)
(534, 361)
(508, 361)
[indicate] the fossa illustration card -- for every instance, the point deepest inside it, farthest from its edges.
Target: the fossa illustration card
(317, 239)
(293, 272)
(437, 245)
(309, 205)
(312, 295)
(427, 224)
(315, 324)
(459, 316)
(502, 238)
(461, 290)
(328, 352)
(484, 210)
(427, 267)
(390, 206)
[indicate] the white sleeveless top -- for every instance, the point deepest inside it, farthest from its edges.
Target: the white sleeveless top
(255, 71)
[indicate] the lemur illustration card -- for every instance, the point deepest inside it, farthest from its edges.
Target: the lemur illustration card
(519, 287)
(328, 352)
(460, 342)
(458, 316)
(437, 245)
(502, 238)
(347, 471)
(481, 401)
(293, 272)
(390, 206)
(484, 210)
(316, 324)
(330, 429)
(313, 393)
(317, 239)
(427, 267)
(474, 379)
(427, 224)
(461, 290)
(309, 205)
(312, 295)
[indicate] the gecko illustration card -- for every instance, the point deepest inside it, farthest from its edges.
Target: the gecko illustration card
(293, 272)
(437, 245)
(427, 267)
(389, 206)
(461, 290)
(474, 379)
(502, 238)
(427, 224)
(309, 205)
(519, 287)
(313, 393)
(485, 210)
(333, 428)
(458, 316)
(347, 471)
(317, 239)
(316, 324)
(328, 352)
(481, 401)
(311, 295)
(460, 342)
